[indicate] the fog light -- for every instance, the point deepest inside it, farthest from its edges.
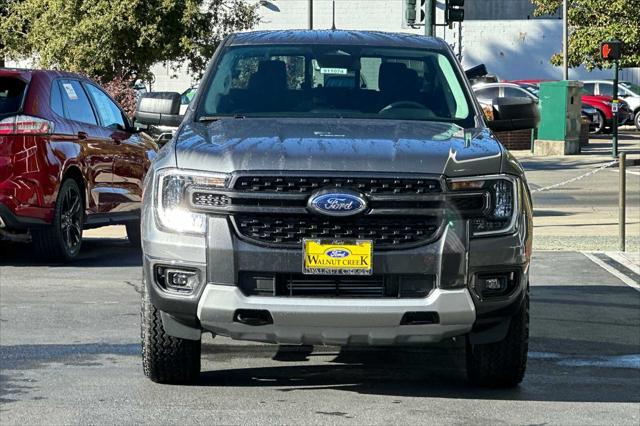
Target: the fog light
(495, 284)
(174, 279)
(492, 284)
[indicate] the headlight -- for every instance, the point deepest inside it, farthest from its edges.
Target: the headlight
(172, 212)
(501, 215)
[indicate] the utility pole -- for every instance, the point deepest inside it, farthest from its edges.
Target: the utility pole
(615, 107)
(310, 14)
(429, 17)
(565, 42)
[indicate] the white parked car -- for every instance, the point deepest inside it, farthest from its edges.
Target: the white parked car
(626, 90)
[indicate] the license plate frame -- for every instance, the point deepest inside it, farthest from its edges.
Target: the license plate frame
(351, 257)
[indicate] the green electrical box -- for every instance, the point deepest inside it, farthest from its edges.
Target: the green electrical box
(560, 121)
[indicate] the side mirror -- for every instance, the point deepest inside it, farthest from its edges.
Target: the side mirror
(159, 109)
(514, 114)
(477, 71)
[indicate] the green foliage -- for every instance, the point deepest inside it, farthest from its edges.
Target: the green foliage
(120, 38)
(594, 21)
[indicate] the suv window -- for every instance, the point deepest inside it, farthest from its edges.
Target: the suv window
(590, 88)
(109, 113)
(55, 99)
(329, 81)
(488, 93)
(605, 89)
(510, 92)
(75, 102)
(11, 93)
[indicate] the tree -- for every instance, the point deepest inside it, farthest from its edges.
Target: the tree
(120, 38)
(594, 21)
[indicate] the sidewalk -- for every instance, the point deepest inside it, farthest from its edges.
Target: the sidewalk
(582, 214)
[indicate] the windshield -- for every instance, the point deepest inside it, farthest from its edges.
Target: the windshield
(11, 92)
(337, 81)
(632, 87)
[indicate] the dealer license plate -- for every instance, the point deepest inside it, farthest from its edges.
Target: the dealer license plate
(330, 257)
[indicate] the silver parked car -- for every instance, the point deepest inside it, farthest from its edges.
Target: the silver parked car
(286, 210)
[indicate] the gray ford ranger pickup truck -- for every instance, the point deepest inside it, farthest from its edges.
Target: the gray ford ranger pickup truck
(378, 211)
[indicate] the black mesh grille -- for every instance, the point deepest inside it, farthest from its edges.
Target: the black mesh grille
(304, 184)
(385, 231)
(299, 285)
(203, 199)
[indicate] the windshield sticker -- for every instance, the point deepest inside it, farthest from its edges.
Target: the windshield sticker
(340, 71)
(71, 93)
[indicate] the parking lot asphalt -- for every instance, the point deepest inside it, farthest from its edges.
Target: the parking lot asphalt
(70, 353)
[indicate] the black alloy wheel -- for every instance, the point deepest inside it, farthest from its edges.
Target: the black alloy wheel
(62, 240)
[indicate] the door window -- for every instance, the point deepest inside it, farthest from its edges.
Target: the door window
(590, 88)
(108, 112)
(606, 89)
(488, 93)
(75, 102)
(511, 92)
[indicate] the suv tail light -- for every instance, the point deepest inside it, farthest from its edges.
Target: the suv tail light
(25, 125)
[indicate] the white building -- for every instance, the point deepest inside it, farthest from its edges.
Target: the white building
(503, 34)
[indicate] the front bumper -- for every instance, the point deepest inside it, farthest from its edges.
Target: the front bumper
(221, 257)
(336, 321)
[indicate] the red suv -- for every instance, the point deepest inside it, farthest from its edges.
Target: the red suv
(69, 160)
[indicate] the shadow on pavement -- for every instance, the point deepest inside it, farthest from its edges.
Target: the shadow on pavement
(584, 346)
(95, 252)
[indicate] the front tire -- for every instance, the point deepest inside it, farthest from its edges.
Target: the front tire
(133, 234)
(501, 364)
(61, 241)
(636, 119)
(166, 359)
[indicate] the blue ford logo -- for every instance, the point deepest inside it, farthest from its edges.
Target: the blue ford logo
(338, 253)
(337, 202)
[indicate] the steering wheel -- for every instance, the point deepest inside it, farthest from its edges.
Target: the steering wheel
(403, 104)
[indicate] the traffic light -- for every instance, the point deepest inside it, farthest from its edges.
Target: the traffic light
(410, 11)
(414, 11)
(453, 11)
(610, 50)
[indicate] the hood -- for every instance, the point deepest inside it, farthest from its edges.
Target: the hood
(341, 145)
(596, 98)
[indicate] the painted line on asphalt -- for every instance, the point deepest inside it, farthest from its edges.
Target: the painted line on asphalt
(615, 268)
(631, 361)
(631, 172)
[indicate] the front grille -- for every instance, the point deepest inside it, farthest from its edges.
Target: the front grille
(203, 199)
(299, 285)
(385, 231)
(307, 184)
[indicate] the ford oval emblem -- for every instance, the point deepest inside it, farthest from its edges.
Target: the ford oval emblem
(337, 253)
(337, 202)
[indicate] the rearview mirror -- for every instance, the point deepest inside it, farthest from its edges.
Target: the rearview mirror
(514, 114)
(159, 109)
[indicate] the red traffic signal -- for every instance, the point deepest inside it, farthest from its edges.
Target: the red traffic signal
(610, 50)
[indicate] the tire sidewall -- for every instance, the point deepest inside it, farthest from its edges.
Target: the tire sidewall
(66, 252)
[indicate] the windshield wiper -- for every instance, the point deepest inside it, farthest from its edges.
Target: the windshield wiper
(211, 118)
(208, 118)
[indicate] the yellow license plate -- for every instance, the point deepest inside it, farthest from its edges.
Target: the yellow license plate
(326, 257)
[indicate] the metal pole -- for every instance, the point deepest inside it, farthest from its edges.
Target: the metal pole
(429, 17)
(616, 107)
(622, 199)
(565, 42)
(310, 14)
